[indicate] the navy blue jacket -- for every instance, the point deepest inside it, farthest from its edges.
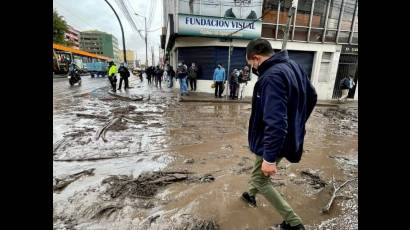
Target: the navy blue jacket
(283, 99)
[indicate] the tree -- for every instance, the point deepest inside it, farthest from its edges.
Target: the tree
(60, 27)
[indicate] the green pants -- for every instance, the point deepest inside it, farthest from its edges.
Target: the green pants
(259, 183)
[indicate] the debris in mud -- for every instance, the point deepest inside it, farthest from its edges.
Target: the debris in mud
(91, 116)
(106, 211)
(147, 184)
(61, 183)
(103, 130)
(64, 224)
(193, 223)
(123, 110)
(341, 121)
(189, 161)
(314, 178)
(334, 196)
(206, 178)
(348, 164)
(181, 221)
(127, 98)
(78, 132)
(58, 144)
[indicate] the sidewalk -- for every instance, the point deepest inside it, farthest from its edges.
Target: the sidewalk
(209, 97)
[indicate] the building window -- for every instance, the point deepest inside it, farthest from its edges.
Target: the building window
(268, 31)
(347, 17)
(343, 37)
(330, 36)
(316, 35)
(319, 13)
(334, 13)
(355, 39)
(300, 34)
(303, 13)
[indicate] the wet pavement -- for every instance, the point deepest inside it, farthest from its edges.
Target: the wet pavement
(109, 135)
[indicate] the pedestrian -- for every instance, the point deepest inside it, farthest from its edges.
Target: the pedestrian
(140, 75)
(193, 75)
(244, 77)
(112, 71)
(283, 99)
(219, 80)
(124, 75)
(158, 77)
(148, 71)
(171, 76)
(182, 75)
(233, 83)
(346, 84)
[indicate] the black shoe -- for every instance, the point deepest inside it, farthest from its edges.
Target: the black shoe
(286, 226)
(249, 199)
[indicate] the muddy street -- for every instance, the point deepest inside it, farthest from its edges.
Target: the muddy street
(143, 160)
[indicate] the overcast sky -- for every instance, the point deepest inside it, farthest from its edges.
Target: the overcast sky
(96, 14)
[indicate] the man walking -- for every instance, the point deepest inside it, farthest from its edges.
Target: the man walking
(346, 84)
(124, 75)
(219, 79)
(283, 99)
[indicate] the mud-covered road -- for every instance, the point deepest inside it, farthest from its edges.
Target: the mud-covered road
(157, 163)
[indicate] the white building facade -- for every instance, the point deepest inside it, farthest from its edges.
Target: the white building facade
(322, 38)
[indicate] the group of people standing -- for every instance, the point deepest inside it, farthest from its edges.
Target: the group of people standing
(112, 75)
(238, 79)
(186, 75)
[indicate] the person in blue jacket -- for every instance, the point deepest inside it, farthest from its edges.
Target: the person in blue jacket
(283, 99)
(219, 79)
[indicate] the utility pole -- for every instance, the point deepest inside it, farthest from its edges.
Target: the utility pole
(152, 52)
(159, 55)
(290, 16)
(122, 32)
(230, 49)
(146, 37)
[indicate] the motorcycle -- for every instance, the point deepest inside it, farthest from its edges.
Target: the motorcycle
(74, 77)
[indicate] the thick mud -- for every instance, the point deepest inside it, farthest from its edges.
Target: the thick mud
(161, 164)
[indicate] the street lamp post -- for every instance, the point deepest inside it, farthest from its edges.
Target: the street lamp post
(146, 45)
(122, 32)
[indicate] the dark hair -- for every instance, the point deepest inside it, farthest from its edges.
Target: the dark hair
(259, 46)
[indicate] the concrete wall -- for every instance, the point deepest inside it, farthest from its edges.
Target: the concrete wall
(324, 88)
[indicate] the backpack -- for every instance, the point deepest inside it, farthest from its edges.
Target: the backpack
(344, 83)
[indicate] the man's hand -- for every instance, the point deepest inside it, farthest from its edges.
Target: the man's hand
(268, 169)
